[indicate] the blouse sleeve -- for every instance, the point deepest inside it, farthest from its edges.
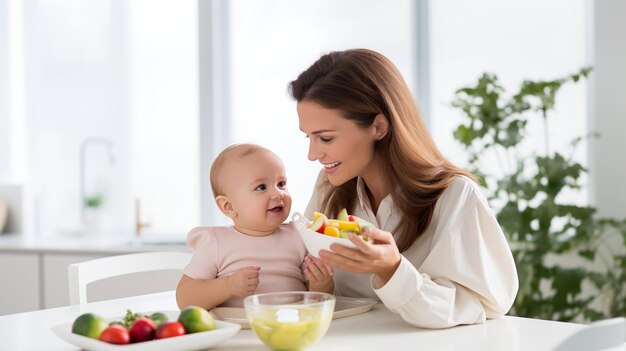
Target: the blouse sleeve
(204, 259)
(469, 274)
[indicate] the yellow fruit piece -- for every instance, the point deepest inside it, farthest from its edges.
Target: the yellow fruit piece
(295, 327)
(286, 339)
(316, 215)
(349, 226)
(262, 329)
(285, 336)
(299, 334)
(331, 231)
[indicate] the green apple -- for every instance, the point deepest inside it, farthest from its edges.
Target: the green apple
(196, 319)
(343, 215)
(89, 325)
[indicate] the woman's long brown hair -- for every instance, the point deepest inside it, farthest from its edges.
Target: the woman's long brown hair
(362, 84)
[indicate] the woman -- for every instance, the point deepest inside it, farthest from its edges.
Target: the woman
(439, 257)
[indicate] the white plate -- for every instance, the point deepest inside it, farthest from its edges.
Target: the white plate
(350, 306)
(315, 241)
(188, 342)
(344, 307)
(231, 314)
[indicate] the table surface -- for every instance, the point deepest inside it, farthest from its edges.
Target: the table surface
(378, 329)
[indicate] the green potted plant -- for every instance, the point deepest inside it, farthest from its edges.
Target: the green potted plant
(571, 264)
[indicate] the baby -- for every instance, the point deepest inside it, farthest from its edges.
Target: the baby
(258, 253)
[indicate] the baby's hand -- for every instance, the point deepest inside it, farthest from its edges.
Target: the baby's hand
(244, 281)
(319, 275)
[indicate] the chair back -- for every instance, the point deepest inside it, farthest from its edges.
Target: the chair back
(609, 334)
(83, 273)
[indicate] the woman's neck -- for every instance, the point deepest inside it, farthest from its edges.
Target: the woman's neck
(376, 187)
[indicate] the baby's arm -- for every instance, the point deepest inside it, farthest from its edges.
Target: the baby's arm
(318, 274)
(209, 293)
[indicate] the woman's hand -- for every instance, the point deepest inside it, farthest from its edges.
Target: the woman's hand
(379, 256)
(319, 274)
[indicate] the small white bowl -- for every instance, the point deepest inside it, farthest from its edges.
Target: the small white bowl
(313, 240)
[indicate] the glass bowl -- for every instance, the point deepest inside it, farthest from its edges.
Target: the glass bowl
(290, 320)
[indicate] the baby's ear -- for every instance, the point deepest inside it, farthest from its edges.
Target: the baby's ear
(223, 203)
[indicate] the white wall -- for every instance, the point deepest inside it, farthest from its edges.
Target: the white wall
(5, 147)
(608, 108)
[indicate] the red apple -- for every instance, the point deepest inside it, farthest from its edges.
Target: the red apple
(319, 224)
(143, 329)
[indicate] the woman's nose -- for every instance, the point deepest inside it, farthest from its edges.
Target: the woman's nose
(314, 153)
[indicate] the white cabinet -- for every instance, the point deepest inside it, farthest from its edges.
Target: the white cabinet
(32, 280)
(55, 286)
(20, 282)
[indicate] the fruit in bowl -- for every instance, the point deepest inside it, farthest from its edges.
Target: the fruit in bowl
(322, 232)
(339, 227)
(290, 320)
(138, 327)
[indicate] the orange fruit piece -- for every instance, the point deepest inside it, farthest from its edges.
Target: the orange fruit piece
(331, 231)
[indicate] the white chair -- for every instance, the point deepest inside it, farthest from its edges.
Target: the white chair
(83, 273)
(609, 334)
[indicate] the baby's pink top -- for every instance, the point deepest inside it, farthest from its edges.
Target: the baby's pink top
(219, 251)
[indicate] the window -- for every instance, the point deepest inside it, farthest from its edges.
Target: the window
(163, 108)
(271, 42)
(516, 41)
(97, 74)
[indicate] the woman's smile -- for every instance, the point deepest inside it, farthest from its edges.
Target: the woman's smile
(331, 167)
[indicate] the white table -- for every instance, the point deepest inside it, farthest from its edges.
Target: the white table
(378, 329)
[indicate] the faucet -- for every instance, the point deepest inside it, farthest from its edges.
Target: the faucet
(83, 151)
(139, 225)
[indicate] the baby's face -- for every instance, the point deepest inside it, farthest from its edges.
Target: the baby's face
(257, 188)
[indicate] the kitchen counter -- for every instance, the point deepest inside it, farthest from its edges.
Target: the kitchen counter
(86, 244)
(33, 271)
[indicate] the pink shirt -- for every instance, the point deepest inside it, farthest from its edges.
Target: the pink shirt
(219, 251)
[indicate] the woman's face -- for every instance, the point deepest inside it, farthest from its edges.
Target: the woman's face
(345, 149)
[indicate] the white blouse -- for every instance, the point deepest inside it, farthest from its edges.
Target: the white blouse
(459, 271)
